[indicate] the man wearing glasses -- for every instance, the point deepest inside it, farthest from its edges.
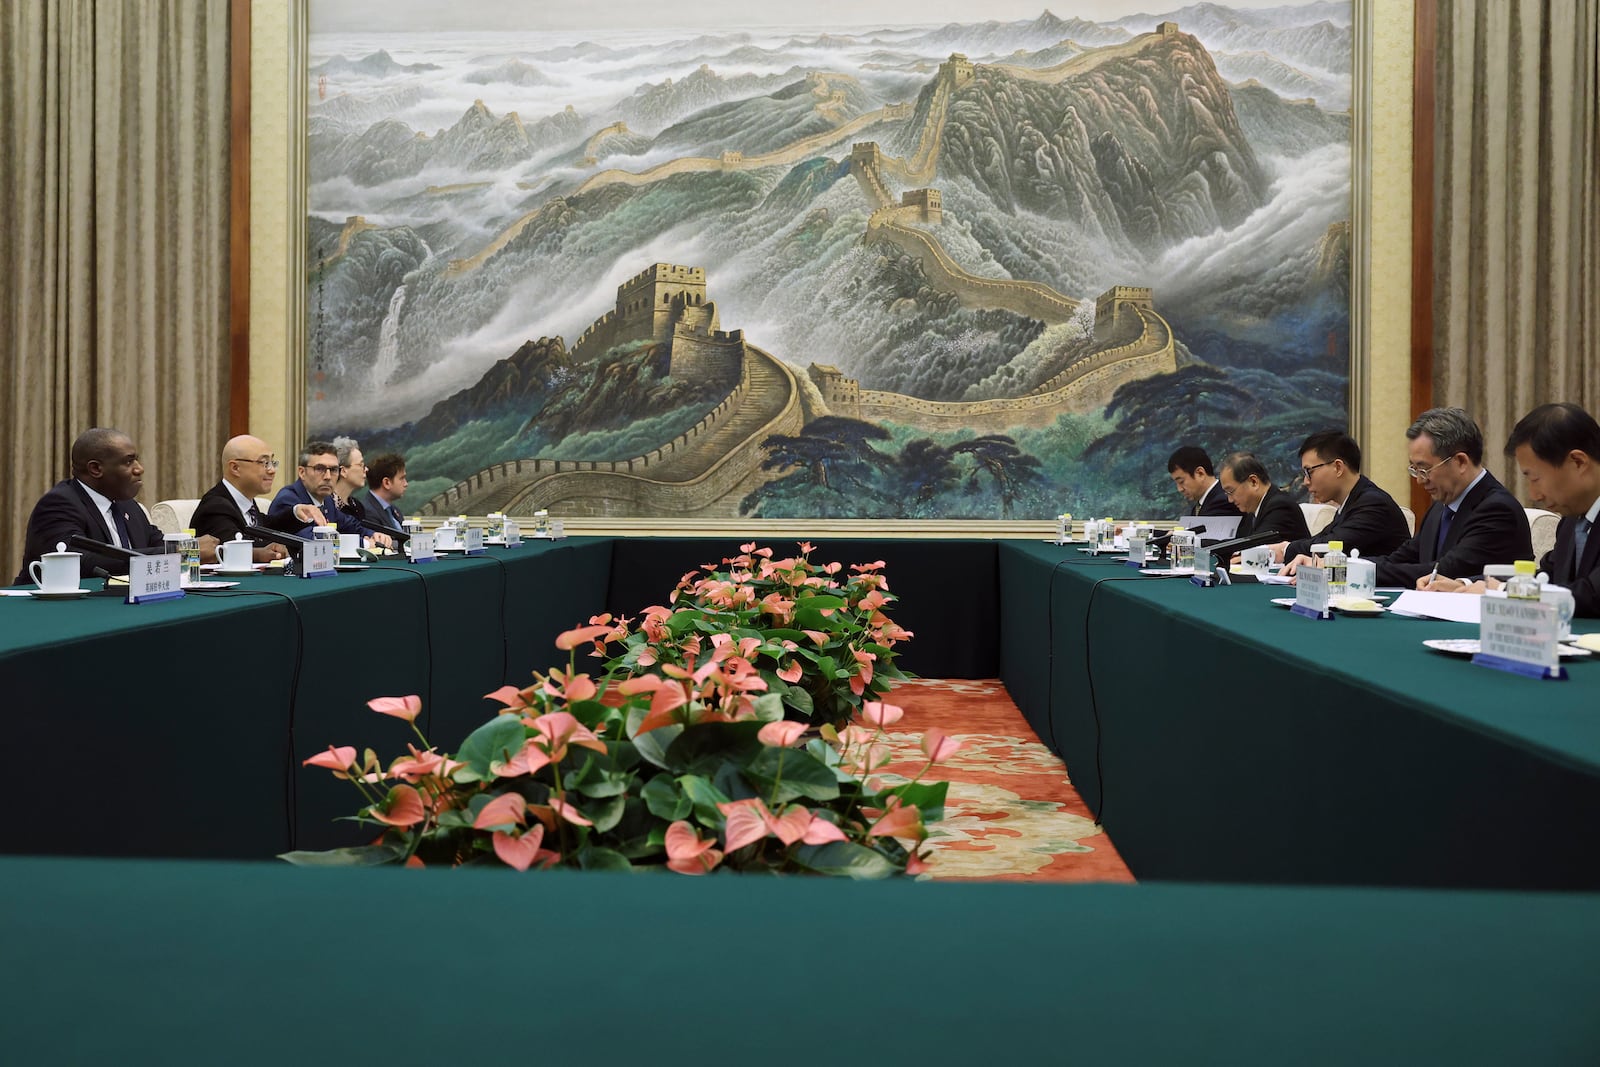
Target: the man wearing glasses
(1265, 507)
(229, 507)
(318, 470)
(1367, 518)
(1474, 520)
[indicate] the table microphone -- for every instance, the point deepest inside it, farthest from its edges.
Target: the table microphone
(103, 548)
(383, 528)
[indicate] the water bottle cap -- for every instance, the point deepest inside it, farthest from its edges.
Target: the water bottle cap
(1335, 546)
(1526, 566)
(189, 532)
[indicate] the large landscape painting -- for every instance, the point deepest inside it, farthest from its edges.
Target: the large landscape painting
(923, 265)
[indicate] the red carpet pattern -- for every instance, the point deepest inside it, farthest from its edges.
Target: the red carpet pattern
(1012, 813)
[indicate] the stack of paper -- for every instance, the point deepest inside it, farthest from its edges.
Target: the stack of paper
(1451, 607)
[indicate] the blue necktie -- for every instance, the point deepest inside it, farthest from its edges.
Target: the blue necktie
(1580, 541)
(1444, 531)
(121, 521)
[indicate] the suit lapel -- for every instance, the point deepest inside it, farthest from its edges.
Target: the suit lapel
(95, 516)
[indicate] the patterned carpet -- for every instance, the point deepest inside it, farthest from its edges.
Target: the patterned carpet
(1012, 813)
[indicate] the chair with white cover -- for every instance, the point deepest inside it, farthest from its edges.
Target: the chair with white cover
(1317, 517)
(1542, 528)
(1411, 520)
(170, 516)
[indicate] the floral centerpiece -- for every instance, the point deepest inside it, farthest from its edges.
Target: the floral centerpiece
(738, 727)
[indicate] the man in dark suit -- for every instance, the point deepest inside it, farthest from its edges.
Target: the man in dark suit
(96, 502)
(386, 484)
(229, 507)
(318, 470)
(1474, 520)
(1367, 518)
(1191, 469)
(1245, 482)
(1557, 448)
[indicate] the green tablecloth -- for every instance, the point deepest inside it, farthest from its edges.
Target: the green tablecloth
(1222, 738)
(192, 962)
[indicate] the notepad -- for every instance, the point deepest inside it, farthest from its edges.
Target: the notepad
(1450, 607)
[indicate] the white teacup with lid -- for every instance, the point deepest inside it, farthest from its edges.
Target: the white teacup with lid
(56, 572)
(236, 556)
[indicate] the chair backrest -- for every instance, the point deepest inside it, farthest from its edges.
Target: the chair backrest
(1411, 519)
(1317, 516)
(171, 516)
(1542, 528)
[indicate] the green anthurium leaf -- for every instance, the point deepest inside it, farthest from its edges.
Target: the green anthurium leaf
(359, 856)
(605, 814)
(783, 774)
(598, 777)
(494, 742)
(704, 797)
(828, 756)
(845, 858)
(654, 746)
(769, 707)
(665, 800)
(799, 700)
(589, 712)
(455, 819)
(927, 796)
(775, 636)
(704, 747)
(827, 667)
(592, 858)
(658, 837)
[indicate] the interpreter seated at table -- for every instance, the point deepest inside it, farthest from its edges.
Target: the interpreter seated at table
(318, 469)
(352, 479)
(97, 502)
(386, 484)
(1473, 522)
(1191, 469)
(1557, 448)
(229, 507)
(1367, 518)
(1265, 507)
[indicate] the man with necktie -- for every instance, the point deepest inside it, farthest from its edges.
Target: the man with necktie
(97, 502)
(1474, 520)
(1557, 448)
(1191, 472)
(1366, 517)
(229, 507)
(386, 484)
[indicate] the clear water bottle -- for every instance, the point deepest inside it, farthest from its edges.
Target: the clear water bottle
(1183, 550)
(1108, 534)
(1524, 584)
(496, 530)
(189, 556)
(1338, 566)
(1063, 527)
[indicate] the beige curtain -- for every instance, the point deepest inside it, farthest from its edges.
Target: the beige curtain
(113, 240)
(1517, 209)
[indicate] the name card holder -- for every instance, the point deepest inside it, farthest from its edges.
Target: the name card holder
(473, 540)
(153, 578)
(1520, 637)
(1138, 551)
(1311, 593)
(513, 534)
(318, 558)
(420, 548)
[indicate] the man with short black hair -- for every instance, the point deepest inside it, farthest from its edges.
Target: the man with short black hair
(1367, 518)
(1474, 521)
(1557, 447)
(1191, 469)
(318, 470)
(386, 484)
(1245, 482)
(97, 502)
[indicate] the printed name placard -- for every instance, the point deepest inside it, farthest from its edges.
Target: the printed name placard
(474, 540)
(1519, 636)
(152, 578)
(1138, 549)
(421, 548)
(317, 561)
(1311, 593)
(513, 534)
(1203, 563)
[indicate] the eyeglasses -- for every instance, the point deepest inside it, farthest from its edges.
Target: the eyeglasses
(270, 463)
(1420, 474)
(323, 468)
(1305, 472)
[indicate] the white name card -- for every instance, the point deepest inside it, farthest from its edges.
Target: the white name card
(1138, 549)
(317, 561)
(473, 540)
(1311, 591)
(420, 548)
(513, 534)
(1515, 631)
(1203, 563)
(152, 578)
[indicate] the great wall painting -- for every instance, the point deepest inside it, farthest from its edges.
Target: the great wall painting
(969, 269)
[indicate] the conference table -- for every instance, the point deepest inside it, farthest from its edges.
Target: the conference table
(1218, 737)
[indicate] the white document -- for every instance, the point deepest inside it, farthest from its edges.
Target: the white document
(1451, 607)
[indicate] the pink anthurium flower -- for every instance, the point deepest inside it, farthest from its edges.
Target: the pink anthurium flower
(792, 673)
(568, 812)
(509, 695)
(400, 707)
(571, 639)
(335, 759)
(821, 831)
(687, 853)
(401, 808)
(746, 822)
(420, 765)
(667, 700)
(559, 729)
(915, 864)
(781, 734)
(904, 820)
(880, 714)
(819, 636)
(507, 809)
(937, 746)
(522, 850)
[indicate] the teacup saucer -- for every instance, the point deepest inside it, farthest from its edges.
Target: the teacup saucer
(65, 594)
(244, 573)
